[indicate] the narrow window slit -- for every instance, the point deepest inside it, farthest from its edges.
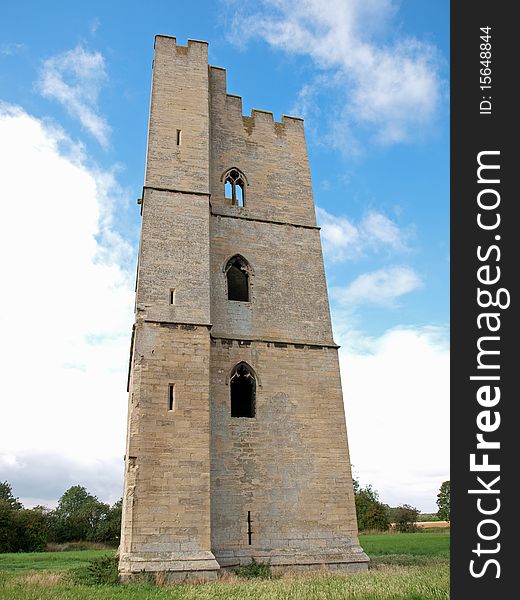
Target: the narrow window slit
(179, 133)
(249, 532)
(172, 296)
(171, 396)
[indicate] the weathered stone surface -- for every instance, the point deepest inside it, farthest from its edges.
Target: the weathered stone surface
(193, 473)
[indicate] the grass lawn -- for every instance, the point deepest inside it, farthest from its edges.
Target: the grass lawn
(48, 561)
(404, 567)
(420, 546)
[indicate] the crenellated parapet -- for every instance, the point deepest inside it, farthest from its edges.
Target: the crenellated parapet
(233, 104)
(273, 152)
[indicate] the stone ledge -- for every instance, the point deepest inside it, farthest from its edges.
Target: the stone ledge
(352, 561)
(153, 562)
(163, 577)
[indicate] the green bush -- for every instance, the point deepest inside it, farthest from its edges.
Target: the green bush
(7, 528)
(22, 530)
(254, 570)
(371, 513)
(99, 571)
(31, 530)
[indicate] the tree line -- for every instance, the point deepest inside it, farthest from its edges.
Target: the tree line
(79, 516)
(372, 514)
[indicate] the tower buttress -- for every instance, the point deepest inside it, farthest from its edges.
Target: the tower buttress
(166, 508)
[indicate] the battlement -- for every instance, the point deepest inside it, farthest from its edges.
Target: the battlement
(258, 115)
(170, 39)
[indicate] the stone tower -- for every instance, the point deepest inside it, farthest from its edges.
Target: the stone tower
(236, 445)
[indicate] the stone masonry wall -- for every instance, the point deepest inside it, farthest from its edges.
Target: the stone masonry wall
(288, 288)
(288, 466)
(174, 254)
(167, 480)
(179, 100)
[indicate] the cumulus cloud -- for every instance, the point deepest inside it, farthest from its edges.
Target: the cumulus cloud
(344, 239)
(381, 288)
(67, 310)
(42, 477)
(396, 391)
(393, 88)
(75, 79)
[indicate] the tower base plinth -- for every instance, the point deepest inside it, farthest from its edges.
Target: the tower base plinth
(189, 568)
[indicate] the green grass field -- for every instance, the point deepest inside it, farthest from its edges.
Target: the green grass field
(411, 566)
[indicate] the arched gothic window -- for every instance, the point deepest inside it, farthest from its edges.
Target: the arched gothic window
(237, 276)
(243, 391)
(235, 187)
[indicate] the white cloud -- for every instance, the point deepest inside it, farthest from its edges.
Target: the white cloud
(67, 307)
(94, 26)
(381, 287)
(396, 391)
(11, 48)
(74, 79)
(392, 88)
(42, 477)
(345, 240)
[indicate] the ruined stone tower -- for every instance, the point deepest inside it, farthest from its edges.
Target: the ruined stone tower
(236, 446)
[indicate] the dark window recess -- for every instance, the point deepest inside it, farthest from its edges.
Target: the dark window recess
(171, 396)
(172, 296)
(179, 138)
(234, 187)
(243, 391)
(249, 532)
(237, 273)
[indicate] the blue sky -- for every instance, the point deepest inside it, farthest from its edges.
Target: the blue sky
(371, 80)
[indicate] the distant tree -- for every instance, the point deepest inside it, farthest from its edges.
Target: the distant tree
(371, 513)
(77, 515)
(392, 511)
(6, 493)
(31, 530)
(7, 530)
(405, 518)
(443, 501)
(21, 530)
(109, 529)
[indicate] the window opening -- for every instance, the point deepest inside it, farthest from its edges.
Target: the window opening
(240, 196)
(171, 396)
(237, 275)
(234, 188)
(228, 190)
(243, 392)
